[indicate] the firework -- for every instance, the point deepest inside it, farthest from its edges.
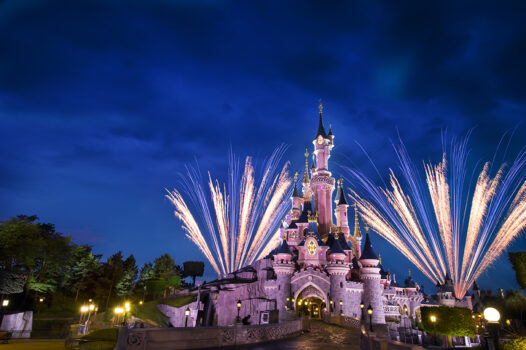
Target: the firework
(241, 220)
(431, 222)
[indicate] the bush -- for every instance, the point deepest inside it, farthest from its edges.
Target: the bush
(515, 344)
(451, 321)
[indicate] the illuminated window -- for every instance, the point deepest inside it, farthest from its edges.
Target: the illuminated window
(312, 248)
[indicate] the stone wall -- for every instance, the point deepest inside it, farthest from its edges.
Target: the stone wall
(205, 337)
(19, 324)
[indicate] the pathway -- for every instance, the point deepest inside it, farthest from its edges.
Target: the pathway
(322, 336)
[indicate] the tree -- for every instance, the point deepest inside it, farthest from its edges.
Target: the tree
(518, 261)
(451, 321)
(113, 272)
(125, 285)
(167, 271)
(193, 269)
(82, 266)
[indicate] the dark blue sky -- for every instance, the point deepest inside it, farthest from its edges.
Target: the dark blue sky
(102, 104)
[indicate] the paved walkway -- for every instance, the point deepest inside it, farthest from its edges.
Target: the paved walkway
(322, 336)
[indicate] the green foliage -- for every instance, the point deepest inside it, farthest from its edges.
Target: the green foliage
(515, 344)
(103, 334)
(149, 311)
(451, 321)
(125, 285)
(518, 261)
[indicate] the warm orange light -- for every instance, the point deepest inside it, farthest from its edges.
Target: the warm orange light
(84, 308)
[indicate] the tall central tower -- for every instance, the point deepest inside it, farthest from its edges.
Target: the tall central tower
(322, 183)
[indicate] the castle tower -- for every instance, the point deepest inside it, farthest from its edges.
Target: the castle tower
(337, 269)
(296, 199)
(341, 210)
(370, 275)
(307, 192)
(322, 184)
(283, 267)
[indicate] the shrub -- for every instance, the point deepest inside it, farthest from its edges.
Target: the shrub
(515, 344)
(451, 321)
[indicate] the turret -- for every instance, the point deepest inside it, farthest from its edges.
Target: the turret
(296, 199)
(307, 192)
(370, 275)
(337, 269)
(341, 210)
(283, 267)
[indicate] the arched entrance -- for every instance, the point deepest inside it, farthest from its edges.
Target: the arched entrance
(310, 301)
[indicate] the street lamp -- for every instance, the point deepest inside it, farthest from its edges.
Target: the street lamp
(5, 302)
(341, 307)
(433, 320)
(362, 305)
(370, 312)
(186, 314)
(238, 319)
(492, 317)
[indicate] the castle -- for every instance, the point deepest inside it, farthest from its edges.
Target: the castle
(320, 266)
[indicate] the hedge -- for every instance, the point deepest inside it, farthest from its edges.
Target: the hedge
(451, 321)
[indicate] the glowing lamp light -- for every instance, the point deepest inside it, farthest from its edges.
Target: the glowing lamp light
(84, 308)
(118, 310)
(187, 312)
(5, 302)
(140, 302)
(370, 310)
(239, 304)
(91, 307)
(491, 315)
(41, 300)
(293, 300)
(433, 318)
(362, 305)
(341, 303)
(127, 306)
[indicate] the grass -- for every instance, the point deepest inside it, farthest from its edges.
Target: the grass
(106, 334)
(149, 311)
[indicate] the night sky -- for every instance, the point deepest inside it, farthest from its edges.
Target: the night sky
(102, 105)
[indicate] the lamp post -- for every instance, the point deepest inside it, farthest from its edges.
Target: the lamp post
(331, 302)
(127, 309)
(361, 307)
(492, 317)
(186, 314)
(370, 312)
(238, 319)
(433, 320)
(117, 312)
(341, 307)
(5, 304)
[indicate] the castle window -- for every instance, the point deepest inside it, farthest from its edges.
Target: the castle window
(341, 284)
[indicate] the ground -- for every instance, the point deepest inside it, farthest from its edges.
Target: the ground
(33, 345)
(322, 336)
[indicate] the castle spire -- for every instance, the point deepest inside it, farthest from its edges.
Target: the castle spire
(306, 175)
(295, 192)
(357, 232)
(312, 166)
(341, 197)
(321, 128)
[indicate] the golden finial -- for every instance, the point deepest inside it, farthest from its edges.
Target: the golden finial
(306, 175)
(380, 259)
(296, 177)
(320, 106)
(357, 232)
(366, 228)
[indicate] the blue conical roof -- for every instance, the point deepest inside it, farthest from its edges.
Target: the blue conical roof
(336, 247)
(284, 248)
(368, 251)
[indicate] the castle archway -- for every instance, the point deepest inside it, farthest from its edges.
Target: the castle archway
(310, 299)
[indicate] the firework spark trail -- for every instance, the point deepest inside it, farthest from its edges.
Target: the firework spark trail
(484, 219)
(246, 215)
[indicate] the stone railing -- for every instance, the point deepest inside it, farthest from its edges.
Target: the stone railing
(340, 320)
(205, 337)
(391, 310)
(372, 342)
